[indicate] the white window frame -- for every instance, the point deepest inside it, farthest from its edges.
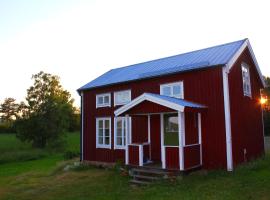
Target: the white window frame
(103, 105)
(106, 146)
(119, 104)
(123, 132)
(246, 93)
(181, 83)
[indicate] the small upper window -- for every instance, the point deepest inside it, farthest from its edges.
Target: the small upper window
(172, 90)
(103, 100)
(122, 97)
(246, 80)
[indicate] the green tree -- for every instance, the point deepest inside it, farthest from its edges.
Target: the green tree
(9, 110)
(48, 112)
(266, 106)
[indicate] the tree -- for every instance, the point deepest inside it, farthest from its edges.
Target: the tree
(9, 110)
(48, 111)
(266, 106)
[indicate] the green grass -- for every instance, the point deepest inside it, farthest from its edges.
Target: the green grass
(44, 179)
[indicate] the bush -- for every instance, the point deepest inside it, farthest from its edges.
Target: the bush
(6, 128)
(266, 117)
(71, 154)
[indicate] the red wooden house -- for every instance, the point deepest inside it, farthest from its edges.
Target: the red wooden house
(198, 109)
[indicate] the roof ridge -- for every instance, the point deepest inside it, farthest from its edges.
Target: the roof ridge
(179, 54)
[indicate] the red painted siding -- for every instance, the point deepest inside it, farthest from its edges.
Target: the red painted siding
(246, 116)
(203, 86)
(172, 158)
(155, 138)
(148, 107)
(146, 152)
(133, 155)
(192, 156)
(191, 127)
(139, 129)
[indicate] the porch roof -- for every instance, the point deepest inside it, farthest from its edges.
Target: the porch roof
(169, 102)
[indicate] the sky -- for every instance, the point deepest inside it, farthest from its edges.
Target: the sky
(79, 40)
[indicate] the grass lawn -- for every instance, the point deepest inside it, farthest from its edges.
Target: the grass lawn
(43, 179)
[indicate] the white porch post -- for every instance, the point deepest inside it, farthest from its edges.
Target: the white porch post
(163, 155)
(149, 134)
(200, 135)
(127, 138)
(181, 133)
(82, 131)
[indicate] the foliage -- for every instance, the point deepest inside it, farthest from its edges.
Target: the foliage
(266, 107)
(48, 113)
(6, 127)
(13, 150)
(9, 110)
(71, 154)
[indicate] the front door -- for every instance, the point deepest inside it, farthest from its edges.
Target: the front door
(155, 138)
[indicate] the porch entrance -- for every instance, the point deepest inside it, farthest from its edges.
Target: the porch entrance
(169, 132)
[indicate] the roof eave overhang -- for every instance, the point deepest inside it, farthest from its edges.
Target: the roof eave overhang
(146, 97)
(232, 61)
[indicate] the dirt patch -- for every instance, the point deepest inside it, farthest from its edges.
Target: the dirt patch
(3, 191)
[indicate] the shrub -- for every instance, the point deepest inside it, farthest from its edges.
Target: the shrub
(71, 154)
(6, 128)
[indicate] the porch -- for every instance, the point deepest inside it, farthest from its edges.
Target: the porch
(173, 138)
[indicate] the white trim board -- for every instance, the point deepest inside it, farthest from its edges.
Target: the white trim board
(150, 98)
(227, 119)
(239, 52)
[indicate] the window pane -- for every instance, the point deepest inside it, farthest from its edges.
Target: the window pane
(171, 129)
(166, 90)
(100, 100)
(119, 123)
(119, 132)
(107, 124)
(122, 97)
(100, 124)
(106, 99)
(119, 141)
(107, 132)
(100, 132)
(171, 124)
(107, 140)
(100, 140)
(176, 90)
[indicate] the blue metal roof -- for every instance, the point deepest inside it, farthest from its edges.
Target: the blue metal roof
(181, 102)
(212, 56)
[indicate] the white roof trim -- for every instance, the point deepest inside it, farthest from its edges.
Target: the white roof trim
(239, 52)
(148, 97)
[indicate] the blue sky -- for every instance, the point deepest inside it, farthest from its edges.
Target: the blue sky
(80, 40)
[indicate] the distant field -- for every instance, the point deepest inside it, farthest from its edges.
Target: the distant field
(43, 179)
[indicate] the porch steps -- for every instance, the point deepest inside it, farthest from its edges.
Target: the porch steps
(146, 176)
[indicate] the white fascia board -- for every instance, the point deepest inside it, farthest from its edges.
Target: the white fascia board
(256, 64)
(131, 104)
(148, 97)
(239, 52)
(165, 103)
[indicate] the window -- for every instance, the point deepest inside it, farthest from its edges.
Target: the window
(120, 132)
(122, 97)
(171, 130)
(172, 90)
(246, 80)
(103, 132)
(103, 100)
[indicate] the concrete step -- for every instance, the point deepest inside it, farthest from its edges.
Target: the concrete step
(139, 182)
(145, 178)
(149, 171)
